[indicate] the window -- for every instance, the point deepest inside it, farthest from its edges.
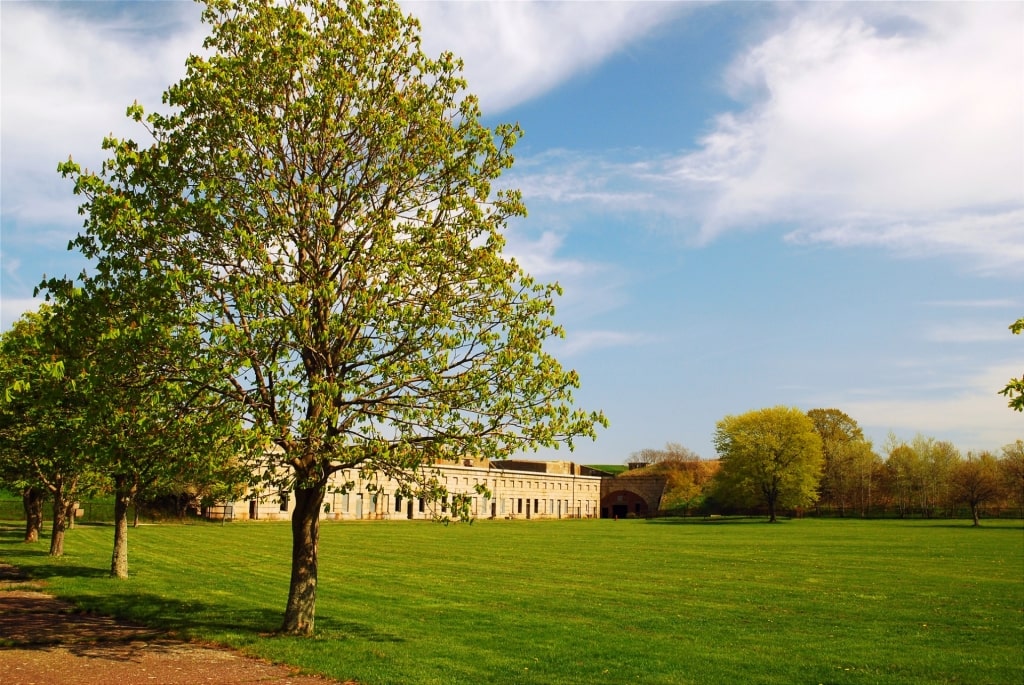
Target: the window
(536, 504)
(423, 505)
(284, 501)
(520, 506)
(344, 502)
(398, 503)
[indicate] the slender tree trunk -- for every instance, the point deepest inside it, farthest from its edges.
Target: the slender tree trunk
(975, 514)
(299, 614)
(60, 522)
(124, 492)
(771, 510)
(32, 498)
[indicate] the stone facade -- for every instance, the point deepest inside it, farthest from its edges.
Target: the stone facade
(518, 490)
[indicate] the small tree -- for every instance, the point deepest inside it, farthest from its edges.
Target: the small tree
(43, 415)
(903, 475)
(976, 481)
(772, 456)
(144, 424)
(322, 201)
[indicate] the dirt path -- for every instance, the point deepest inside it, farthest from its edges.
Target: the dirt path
(45, 641)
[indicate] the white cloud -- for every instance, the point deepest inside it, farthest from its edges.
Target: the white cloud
(514, 51)
(895, 126)
(70, 71)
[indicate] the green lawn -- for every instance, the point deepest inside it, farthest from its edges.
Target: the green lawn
(598, 601)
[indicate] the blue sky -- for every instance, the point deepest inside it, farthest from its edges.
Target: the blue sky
(748, 204)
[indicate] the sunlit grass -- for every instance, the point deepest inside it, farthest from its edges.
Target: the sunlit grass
(666, 601)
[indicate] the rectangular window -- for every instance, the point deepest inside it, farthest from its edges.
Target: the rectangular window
(398, 503)
(536, 506)
(519, 510)
(344, 502)
(423, 506)
(284, 501)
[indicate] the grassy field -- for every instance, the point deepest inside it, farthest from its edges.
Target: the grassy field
(663, 601)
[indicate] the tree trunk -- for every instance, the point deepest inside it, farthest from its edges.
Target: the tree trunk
(298, 616)
(974, 514)
(60, 522)
(124, 491)
(32, 499)
(771, 510)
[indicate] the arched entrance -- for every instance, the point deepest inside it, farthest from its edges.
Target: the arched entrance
(623, 503)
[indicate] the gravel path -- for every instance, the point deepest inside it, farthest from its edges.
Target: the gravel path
(45, 641)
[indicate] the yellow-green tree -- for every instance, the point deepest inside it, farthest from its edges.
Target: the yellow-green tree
(323, 198)
(770, 456)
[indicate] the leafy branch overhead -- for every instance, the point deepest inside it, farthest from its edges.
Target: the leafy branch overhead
(1014, 390)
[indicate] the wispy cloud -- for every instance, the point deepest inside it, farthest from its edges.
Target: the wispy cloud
(1005, 303)
(514, 51)
(589, 287)
(974, 416)
(895, 126)
(969, 332)
(580, 342)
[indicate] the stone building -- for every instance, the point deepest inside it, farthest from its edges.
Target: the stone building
(517, 489)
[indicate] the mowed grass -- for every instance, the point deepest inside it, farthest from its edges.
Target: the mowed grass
(598, 601)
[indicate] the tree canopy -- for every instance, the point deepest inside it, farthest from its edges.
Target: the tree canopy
(321, 199)
(849, 460)
(772, 456)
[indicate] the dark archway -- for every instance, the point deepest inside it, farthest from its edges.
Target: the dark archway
(623, 503)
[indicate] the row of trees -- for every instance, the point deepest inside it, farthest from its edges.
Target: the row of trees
(305, 268)
(781, 458)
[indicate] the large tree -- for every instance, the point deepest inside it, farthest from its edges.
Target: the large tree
(771, 456)
(848, 459)
(323, 195)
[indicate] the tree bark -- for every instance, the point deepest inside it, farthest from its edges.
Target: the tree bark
(32, 498)
(124, 491)
(974, 514)
(299, 614)
(60, 522)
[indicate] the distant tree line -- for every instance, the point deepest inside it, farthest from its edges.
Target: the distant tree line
(781, 459)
